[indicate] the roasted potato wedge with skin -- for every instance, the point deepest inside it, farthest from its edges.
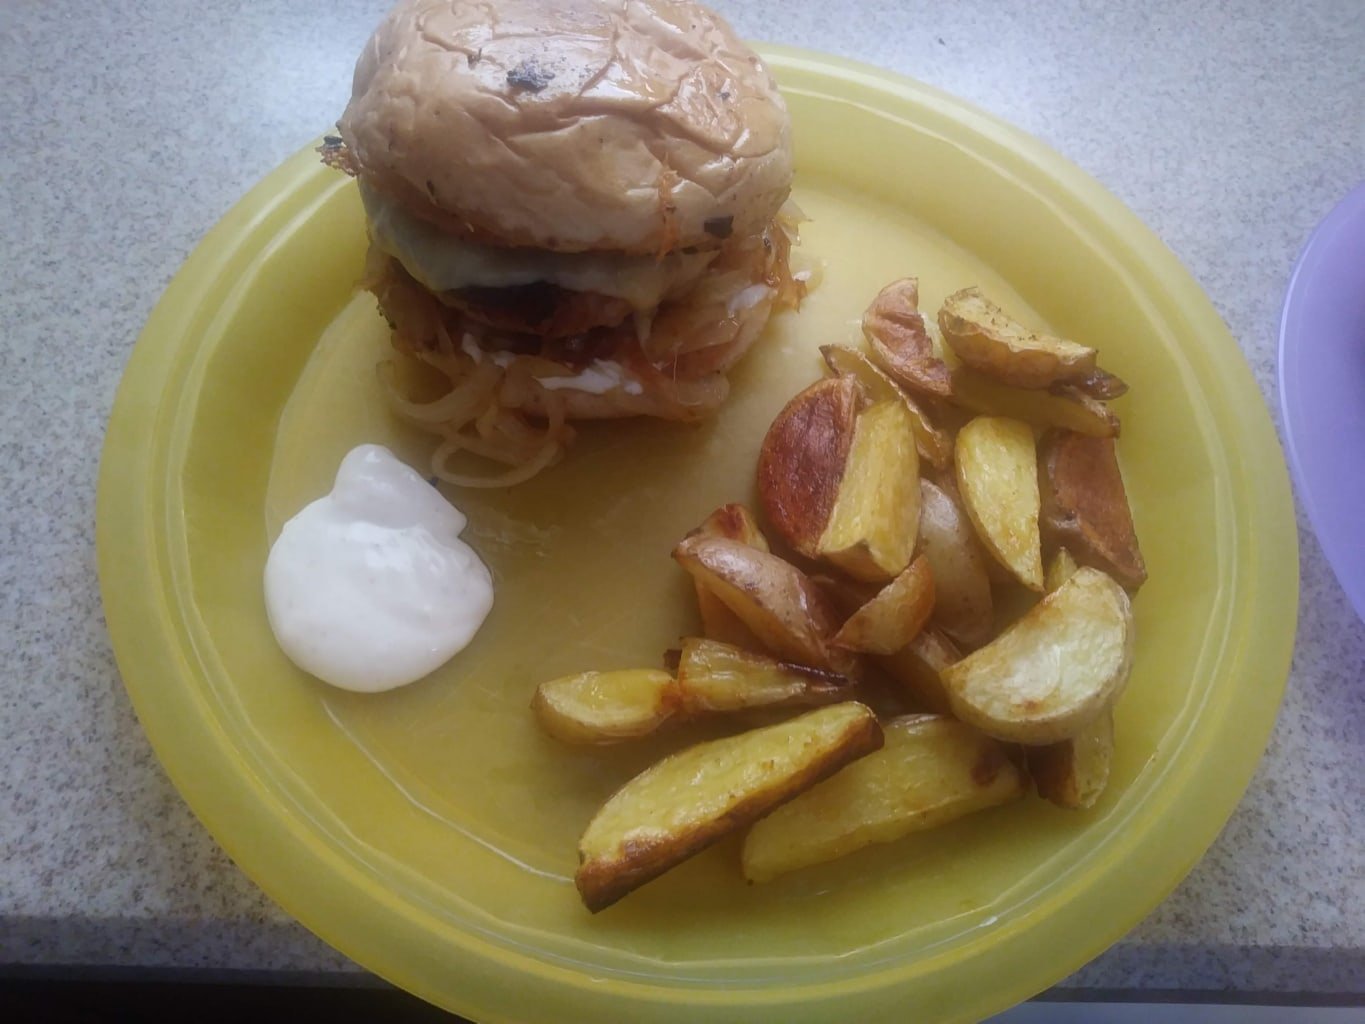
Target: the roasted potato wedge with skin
(845, 596)
(1097, 384)
(1048, 676)
(1085, 505)
(1059, 570)
(719, 677)
(895, 616)
(1074, 772)
(689, 800)
(930, 770)
(935, 446)
(962, 587)
(874, 523)
(997, 476)
(605, 707)
(776, 601)
(895, 332)
(735, 522)
(989, 341)
(1062, 406)
(803, 458)
(717, 621)
(918, 669)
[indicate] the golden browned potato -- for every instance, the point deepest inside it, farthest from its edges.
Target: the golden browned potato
(689, 800)
(779, 604)
(874, 523)
(894, 616)
(605, 707)
(839, 481)
(895, 332)
(934, 445)
(997, 476)
(1063, 406)
(918, 669)
(962, 587)
(719, 677)
(735, 522)
(1085, 506)
(1048, 676)
(1059, 570)
(1098, 384)
(930, 771)
(718, 622)
(992, 343)
(803, 458)
(1074, 772)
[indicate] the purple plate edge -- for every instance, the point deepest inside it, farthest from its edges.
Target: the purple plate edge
(1311, 263)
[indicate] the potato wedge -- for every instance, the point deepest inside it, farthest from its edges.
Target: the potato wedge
(689, 800)
(962, 587)
(997, 476)
(1048, 676)
(874, 523)
(1098, 384)
(605, 707)
(735, 522)
(934, 445)
(918, 669)
(1074, 772)
(776, 601)
(1085, 507)
(992, 343)
(1063, 406)
(895, 332)
(895, 616)
(717, 621)
(803, 459)
(719, 677)
(1059, 570)
(845, 596)
(929, 771)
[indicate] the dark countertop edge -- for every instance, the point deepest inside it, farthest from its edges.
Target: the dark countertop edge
(255, 952)
(359, 996)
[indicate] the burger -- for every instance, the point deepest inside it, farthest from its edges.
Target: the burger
(577, 209)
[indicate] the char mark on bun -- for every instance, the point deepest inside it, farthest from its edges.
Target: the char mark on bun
(573, 209)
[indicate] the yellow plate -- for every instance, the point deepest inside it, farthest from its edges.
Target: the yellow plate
(429, 833)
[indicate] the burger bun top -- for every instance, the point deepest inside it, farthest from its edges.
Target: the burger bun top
(637, 126)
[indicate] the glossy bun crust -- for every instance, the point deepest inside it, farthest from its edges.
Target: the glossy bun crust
(636, 126)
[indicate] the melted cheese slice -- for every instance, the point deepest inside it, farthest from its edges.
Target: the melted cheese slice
(445, 263)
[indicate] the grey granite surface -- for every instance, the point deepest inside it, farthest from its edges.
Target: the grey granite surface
(129, 128)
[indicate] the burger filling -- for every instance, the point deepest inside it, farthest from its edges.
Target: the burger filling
(528, 340)
(445, 263)
(683, 314)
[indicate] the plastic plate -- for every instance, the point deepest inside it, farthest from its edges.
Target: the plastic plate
(430, 833)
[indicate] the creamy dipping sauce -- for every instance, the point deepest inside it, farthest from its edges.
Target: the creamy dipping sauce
(370, 587)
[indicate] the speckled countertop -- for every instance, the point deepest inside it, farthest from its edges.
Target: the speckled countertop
(129, 128)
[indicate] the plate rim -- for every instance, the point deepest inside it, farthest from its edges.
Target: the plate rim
(1293, 406)
(125, 581)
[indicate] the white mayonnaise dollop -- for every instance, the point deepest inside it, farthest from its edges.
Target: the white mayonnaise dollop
(371, 587)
